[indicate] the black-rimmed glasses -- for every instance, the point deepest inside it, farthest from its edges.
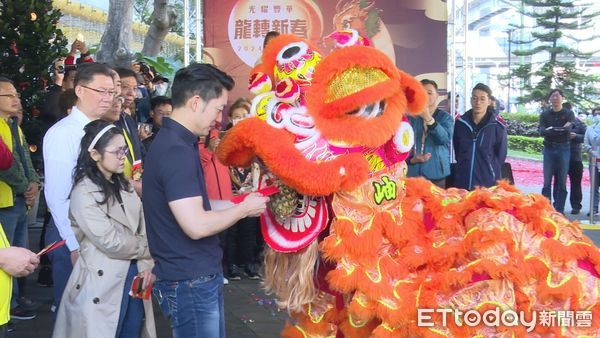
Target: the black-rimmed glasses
(105, 93)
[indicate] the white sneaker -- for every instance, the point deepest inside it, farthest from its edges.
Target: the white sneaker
(225, 281)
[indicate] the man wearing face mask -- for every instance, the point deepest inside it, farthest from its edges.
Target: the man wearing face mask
(161, 85)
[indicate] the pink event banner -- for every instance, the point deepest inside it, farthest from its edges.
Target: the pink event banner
(411, 32)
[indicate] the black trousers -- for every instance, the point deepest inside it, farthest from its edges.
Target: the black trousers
(575, 175)
(241, 242)
(4, 330)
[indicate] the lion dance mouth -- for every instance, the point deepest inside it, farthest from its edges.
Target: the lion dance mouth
(332, 129)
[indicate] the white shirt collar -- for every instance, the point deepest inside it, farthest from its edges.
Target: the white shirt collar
(79, 116)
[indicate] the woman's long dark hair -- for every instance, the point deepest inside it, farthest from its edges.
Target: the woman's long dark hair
(87, 167)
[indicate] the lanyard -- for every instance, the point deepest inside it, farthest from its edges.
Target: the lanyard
(129, 145)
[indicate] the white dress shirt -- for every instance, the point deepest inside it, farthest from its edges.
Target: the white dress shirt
(61, 148)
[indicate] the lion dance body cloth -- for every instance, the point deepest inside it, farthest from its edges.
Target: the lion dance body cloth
(356, 249)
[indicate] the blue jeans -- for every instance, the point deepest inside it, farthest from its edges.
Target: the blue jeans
(61, 264)
(194, 307)
(556, 165)
(131, 316)
(14, 223)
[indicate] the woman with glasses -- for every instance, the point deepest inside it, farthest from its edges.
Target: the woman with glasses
(107, 219)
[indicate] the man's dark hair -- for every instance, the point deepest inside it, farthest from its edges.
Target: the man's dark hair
(126, 72)
(269, 36)
(4, 79)
(86, 72)
(159, 101)
(429, 82)
(202, 79)
(555, 91)
(483, 88)
(159, 77)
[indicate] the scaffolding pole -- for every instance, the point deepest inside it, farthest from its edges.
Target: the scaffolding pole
(458, 69)
(199, 30)
(591, 224)
(186, 32)
(457, 64)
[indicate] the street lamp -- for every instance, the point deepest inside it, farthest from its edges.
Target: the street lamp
(509, 64)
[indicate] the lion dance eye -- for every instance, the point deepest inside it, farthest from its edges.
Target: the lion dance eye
(292, 52)
(405, 137)
(296, 61)
(369, 111)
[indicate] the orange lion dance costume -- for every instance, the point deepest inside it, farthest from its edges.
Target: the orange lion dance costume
(395, 245)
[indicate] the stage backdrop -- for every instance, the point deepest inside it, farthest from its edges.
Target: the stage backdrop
(410, 32)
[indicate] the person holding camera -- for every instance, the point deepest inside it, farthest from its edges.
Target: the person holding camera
(63, 77)
(62, 71)
(78, 46)
(108, 221)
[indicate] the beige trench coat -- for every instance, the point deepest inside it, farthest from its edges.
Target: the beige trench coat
(109, 238)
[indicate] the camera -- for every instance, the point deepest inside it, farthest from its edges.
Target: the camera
(57, 67)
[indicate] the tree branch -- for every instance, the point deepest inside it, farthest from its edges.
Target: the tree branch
(163, 18)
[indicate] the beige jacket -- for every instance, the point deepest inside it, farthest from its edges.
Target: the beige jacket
(109, 238)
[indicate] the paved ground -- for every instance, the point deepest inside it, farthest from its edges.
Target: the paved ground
(249, 312)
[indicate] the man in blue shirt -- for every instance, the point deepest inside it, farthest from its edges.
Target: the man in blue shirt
(182, 224)
(433, 132)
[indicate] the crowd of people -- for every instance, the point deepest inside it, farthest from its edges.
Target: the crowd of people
(100, 125)
(565, 137)
(134, 188)
(478, 137)
(479, 140)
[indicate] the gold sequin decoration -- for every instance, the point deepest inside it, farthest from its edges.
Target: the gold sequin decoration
(353, 80)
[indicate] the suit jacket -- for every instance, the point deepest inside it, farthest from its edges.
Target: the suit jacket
(109, 238)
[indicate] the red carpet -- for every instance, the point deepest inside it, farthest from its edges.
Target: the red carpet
(531, 173)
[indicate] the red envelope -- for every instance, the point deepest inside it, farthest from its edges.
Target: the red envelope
(266, 191)
(51, 247)
(137, 291)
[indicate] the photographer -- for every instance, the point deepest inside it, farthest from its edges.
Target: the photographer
(78, 46)
(62, 78)
(144, 76)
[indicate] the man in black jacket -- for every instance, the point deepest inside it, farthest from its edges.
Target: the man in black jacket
(575, 166)
(480, 143)
(555, 126)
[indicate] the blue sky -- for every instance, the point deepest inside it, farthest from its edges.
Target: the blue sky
(102, 4)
